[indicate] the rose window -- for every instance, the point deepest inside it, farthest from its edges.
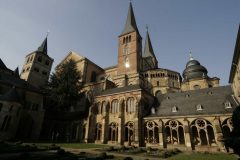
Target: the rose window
(201, 123)
(173, 124)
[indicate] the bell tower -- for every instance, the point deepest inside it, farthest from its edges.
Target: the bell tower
(37, 66)
(129, 46)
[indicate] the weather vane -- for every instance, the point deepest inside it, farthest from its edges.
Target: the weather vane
(146, 27)
(190, 55)
(48, 32)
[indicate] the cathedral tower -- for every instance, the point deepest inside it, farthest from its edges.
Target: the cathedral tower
(37, 66)
(130, 46)
(149, 58)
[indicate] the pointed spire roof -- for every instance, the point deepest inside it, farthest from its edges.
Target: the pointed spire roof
(236, 55)
(16, 72)
(43, 47)
(130, 25)
(148, 49)
(2, 65)
(11, 95)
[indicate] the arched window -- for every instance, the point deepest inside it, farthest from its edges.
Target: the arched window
(129, 39)
(202, 132)
(98, 133)
(124, 40)
(114, 106)
(99, 106)
(227, 127)
(129, 132)
(130, 105)
(113, 132)
(174, 132)
(31, 59)
(158, 93)
(104, 105)
(151, 132)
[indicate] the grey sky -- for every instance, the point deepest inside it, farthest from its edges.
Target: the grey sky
(91, 28)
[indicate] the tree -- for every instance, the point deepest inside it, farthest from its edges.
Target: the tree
(234, 140)
(65, 85)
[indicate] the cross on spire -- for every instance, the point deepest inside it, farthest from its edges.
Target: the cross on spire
(190, 56)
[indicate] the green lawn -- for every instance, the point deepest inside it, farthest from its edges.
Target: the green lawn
(202, 156)
(75, 145)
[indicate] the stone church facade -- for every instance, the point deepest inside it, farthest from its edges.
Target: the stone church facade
(134, 103)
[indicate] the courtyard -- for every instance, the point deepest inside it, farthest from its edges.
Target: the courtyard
(80, 151)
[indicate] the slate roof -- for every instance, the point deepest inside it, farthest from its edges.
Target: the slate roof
(235, 57)
(212, 100)
(130, 25)
(43, 47)
(12, 80)
(119, 90)
(2, 65)
(148, 49)
(11, 96)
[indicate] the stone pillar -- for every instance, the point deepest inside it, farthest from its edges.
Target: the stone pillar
(187, 135)
(160, 133)
(218, 133)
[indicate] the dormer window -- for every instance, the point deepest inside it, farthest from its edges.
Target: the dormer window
(174, 109)
(228, 105)
(199, 107)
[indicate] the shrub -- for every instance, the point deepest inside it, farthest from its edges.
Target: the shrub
(53, 147)
(111, 148)
(176, 150)
(24, 155)
(149, 149)
(102, 155)
(61, 151)
(122, 148)
(82, 153)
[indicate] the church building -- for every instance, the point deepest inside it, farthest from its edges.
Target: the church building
(137, 103)
(133, 103)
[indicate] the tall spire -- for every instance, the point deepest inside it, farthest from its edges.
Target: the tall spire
(43, 47)
(2, 65)
(130, 25)
(148, 49)
(16, 72)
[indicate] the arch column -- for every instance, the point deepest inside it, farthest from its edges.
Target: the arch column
(160, 133)
(218, 133)
(187, 135)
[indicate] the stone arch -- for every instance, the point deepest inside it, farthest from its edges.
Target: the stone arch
(151, 132)
(202, 132)
(113, 132)
(227, 127)
(158, 93)
(129, 132)
(174, 132)
(130, 105)
(98, 131)
(114, 106)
